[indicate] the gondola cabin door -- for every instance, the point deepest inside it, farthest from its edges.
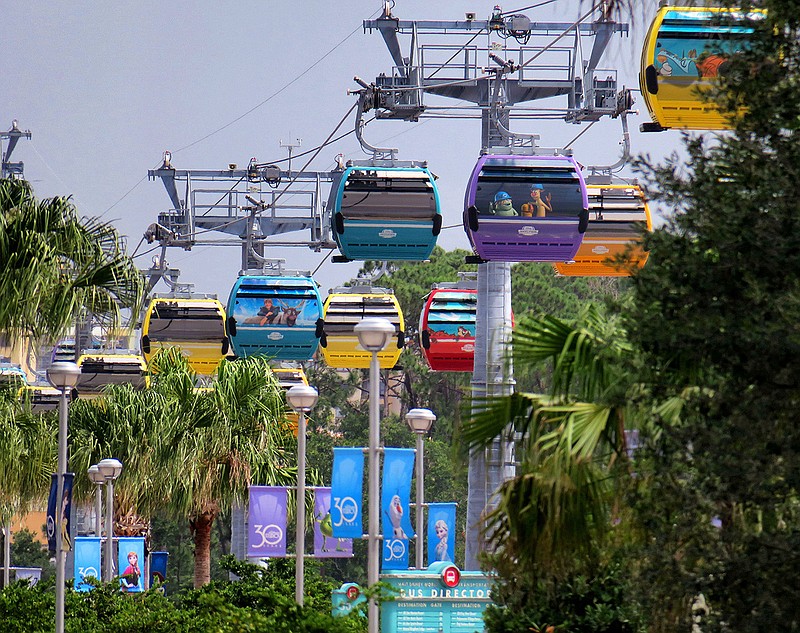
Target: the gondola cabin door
(526, 208)
(344, 309)
(195, 326)
(274, 316)
(99, 370)
(612, 244)
(385, 213)
(685, 51)
(447, 329)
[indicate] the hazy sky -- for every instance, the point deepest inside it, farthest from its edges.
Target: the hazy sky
(106, 87)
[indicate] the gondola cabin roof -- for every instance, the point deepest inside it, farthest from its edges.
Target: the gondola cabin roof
(617, 214)
(685, 50)
(343, 311)
(64, 350)
(447, 329)
(41, 397)
(525, 208)
(12, 374)
(195, 326)
(385, 213)
(98, 371)
(274, 316)
(288, 377)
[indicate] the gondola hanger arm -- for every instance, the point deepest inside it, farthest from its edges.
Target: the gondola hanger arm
(368, 98)
(626, 152)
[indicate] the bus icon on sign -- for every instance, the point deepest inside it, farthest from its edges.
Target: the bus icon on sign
(451, 576)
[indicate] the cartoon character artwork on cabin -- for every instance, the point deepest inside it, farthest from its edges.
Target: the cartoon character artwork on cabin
(694, 66)
(503, 205)
(669, 64)
(289, 314)
(540, 204)
(265, 315)
(271, 312)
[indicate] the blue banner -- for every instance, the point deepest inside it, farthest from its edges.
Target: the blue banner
(58, 513)
(266, 531)
(158, 570)
(441, 532)
(346, 492)
(398, 466)
(87, 561)
(131, 561)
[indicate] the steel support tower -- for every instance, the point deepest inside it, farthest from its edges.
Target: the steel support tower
(518, 61)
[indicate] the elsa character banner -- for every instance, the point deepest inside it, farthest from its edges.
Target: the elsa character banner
(441, 532)
(266, 532)
(87, 561)
(326, 545)
(398, 466)
(346, 492)
(131, 563)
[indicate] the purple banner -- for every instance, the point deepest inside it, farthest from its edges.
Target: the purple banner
(266, 532)
(326, 545)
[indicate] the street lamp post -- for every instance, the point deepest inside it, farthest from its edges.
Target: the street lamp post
(302, 399)
(420, 422)
(63, 376)
(374, 334)
(110, 469)
(96, 477)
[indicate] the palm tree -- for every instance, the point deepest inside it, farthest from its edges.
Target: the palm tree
(27, 455)
(571, 442)
(56, 264)
(217, 443)
(187, 452)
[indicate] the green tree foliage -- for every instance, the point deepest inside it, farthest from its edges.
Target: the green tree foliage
(27, 454)
(26, 551)
(597, 599)
(717, 309)
(263, 600)
(573, 444)
(187, 454)
(57, 264)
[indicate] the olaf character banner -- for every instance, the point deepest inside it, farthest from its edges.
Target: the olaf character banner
(131, 563)
(58, 512)
(441, 532)
(326, 545)
(266, 531)
(346, 492)
(87, 561)
(398, 466)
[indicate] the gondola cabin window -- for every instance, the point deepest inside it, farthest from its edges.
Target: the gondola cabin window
(388, 195)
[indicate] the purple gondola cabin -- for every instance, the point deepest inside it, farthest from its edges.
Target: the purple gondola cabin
(526, 208)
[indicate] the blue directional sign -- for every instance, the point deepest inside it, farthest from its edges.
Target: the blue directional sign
(440, 599)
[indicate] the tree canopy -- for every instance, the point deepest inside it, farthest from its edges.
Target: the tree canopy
(57, 265)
